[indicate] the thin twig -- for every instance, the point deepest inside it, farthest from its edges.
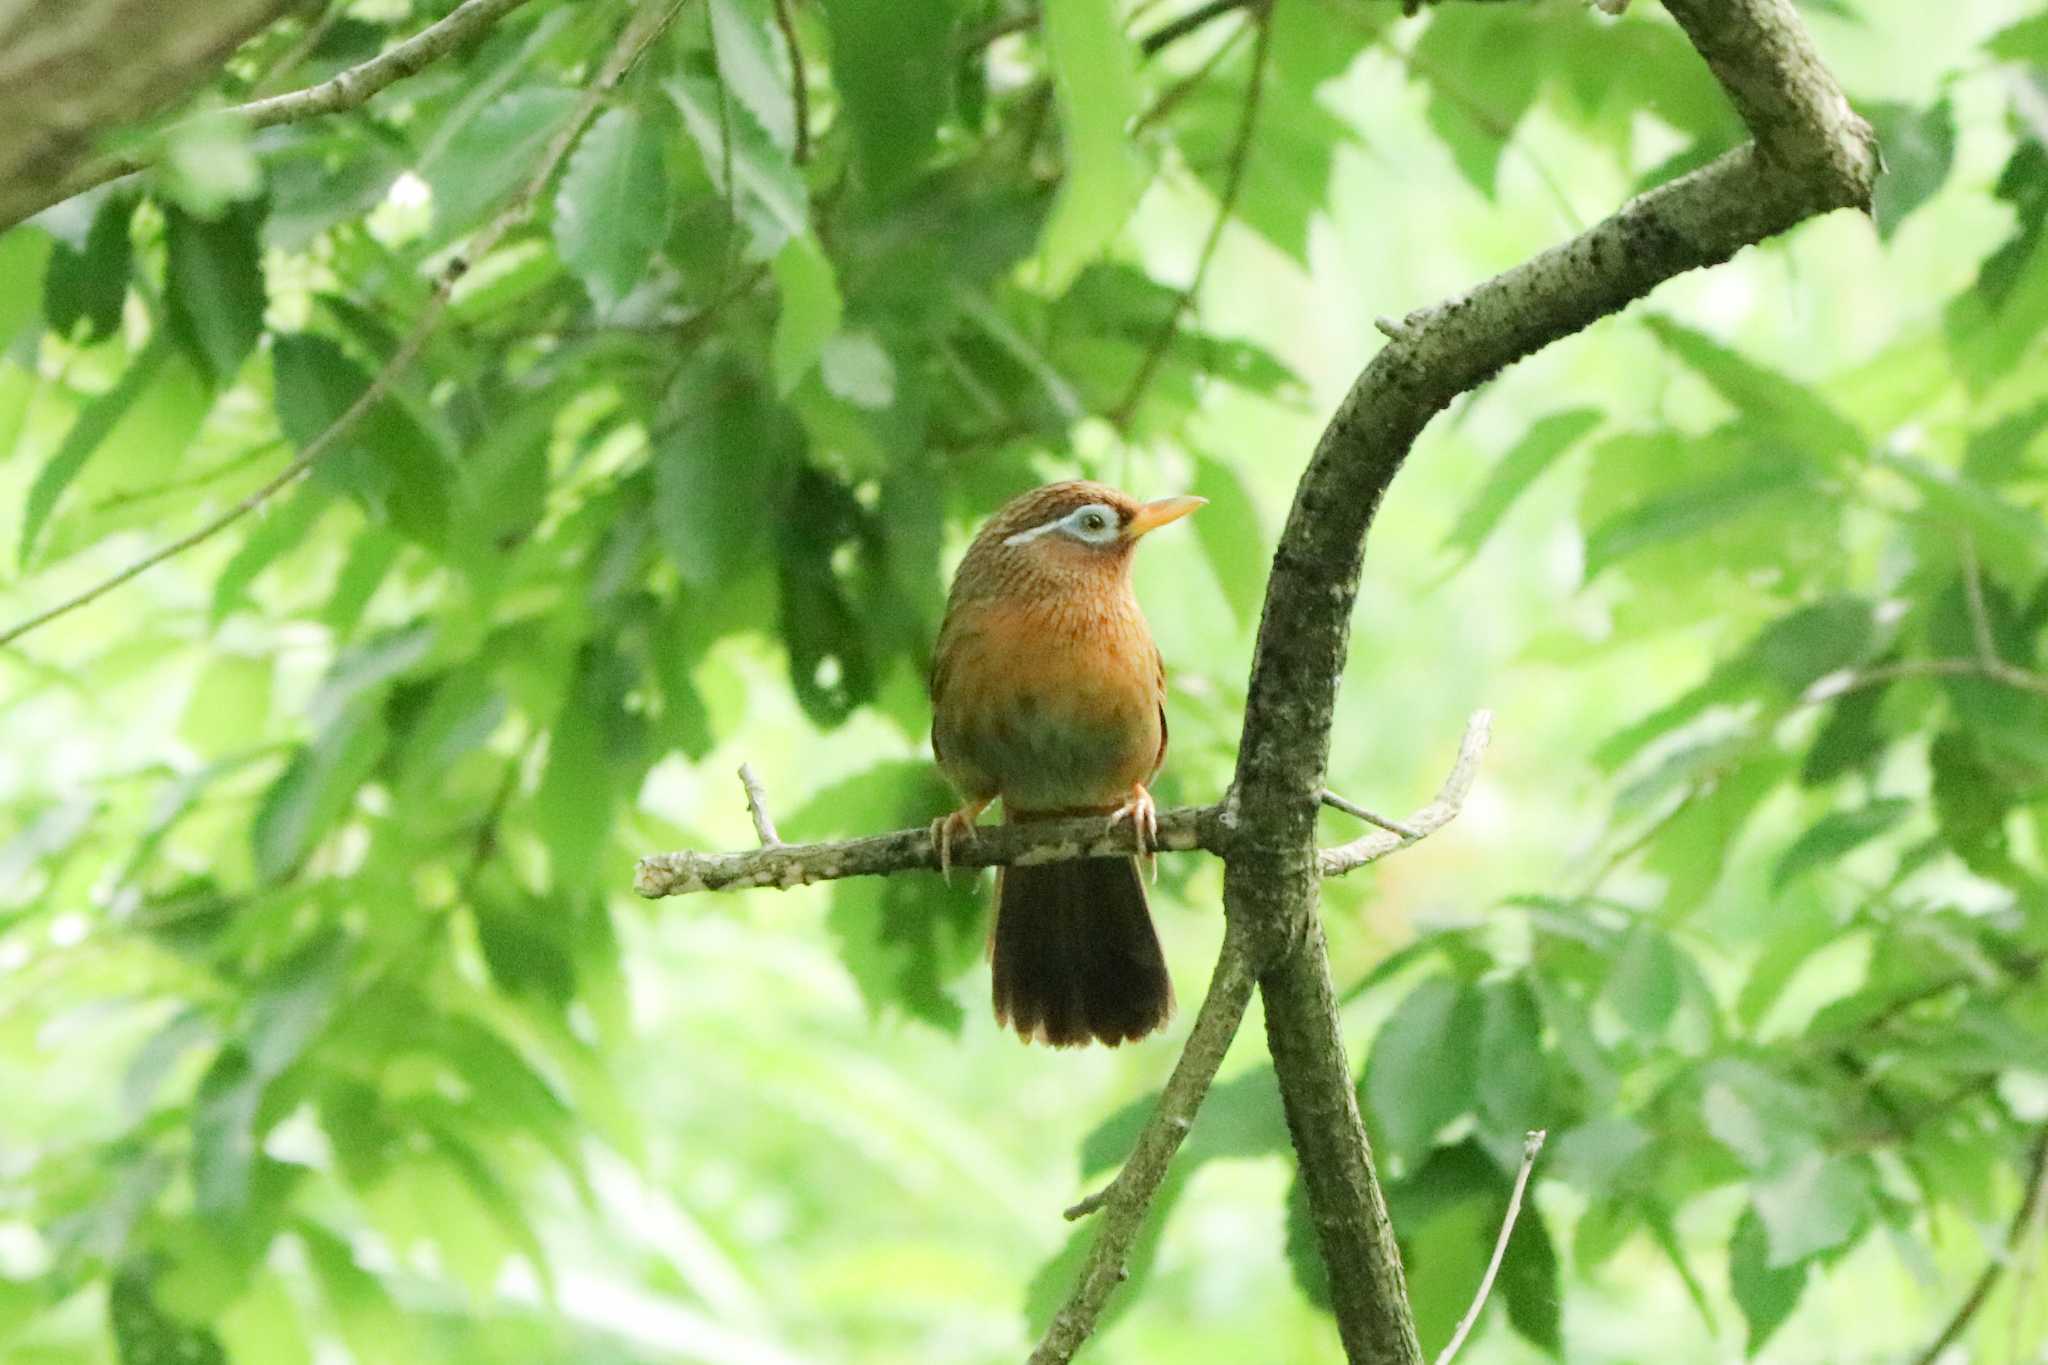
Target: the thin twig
(1987, 1280)
(799, 81)
(1450, 799)
(1532, 1143)
(1233, 183)
(638, 34)
(1352, 808)
(1128, 1198)
(757, 807)
(1174, 30)
(346, 90)
(1188, 84)
(1996, 670)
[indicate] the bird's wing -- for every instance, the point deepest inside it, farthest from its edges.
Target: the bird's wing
(1159, 690)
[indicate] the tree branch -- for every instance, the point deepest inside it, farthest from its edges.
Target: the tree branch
(638, 33)
(347, 90)
(1811, 155)
(1181, 829)
(2022, 1222)
(70, 70)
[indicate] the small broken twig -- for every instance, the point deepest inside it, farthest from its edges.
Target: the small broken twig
(757, 807)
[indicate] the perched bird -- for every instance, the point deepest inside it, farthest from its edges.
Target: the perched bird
(1048, 692)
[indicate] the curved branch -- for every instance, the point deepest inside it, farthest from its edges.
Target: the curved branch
(346, 90)
(1811, 155)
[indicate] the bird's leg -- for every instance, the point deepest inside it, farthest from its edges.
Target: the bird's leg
(958, 823)
(1139, 809)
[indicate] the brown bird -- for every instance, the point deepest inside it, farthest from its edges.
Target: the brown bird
(1048, 692)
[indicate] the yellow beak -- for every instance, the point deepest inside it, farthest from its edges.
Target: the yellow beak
(1150, 516)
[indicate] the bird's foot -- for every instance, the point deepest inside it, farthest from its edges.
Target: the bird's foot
(1143, 814)
(957, 824)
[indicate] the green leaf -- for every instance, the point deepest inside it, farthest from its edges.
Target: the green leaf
(1482, 81)
(1511, 1072)
(830, 658)
(24, 257)
(1644, 986)
(1836, 835)
(88, 432)
(1765, 1293)
(316, 787)
(1512, 474)
(595, 753)
(1095, 86)
(214, 284)
(904, 938)
(90, 281)
(385, 459)
(491, 153)
(1423, 1068)
(612, 209)
(810, 312)
(716, 478)
(1231, 539)
(752, 68)
(766, 192)
(284, 527)
(1682, 513)
(371, 1322)
(1764, 395)
(144, 1334)
(890, 61)
(1814, 1205)
(1918, 146)
(2025, 41)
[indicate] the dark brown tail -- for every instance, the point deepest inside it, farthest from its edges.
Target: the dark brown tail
(1075, 953)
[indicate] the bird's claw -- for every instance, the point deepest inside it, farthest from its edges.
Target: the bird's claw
(946, 828)
(1143, 814)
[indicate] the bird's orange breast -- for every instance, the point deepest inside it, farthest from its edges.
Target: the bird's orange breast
(1051, 704)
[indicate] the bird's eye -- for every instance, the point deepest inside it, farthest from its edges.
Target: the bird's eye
(1094, 521)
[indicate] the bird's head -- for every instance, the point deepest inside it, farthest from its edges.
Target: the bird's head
(1076, 526)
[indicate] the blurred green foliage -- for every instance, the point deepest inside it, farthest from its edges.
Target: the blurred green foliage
(325, 1022)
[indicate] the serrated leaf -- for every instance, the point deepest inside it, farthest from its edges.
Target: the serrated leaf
(810, 311)
(749, 65)
(890, 60)
(1512, 474)
(1095, 87)
(491, 153)
(1423, 1067)
(765, 191)
(213, 284)
(612, 209)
